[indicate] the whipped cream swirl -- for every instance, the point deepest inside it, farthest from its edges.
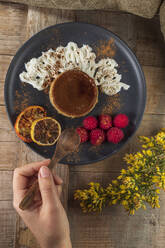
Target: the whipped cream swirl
(41, 71)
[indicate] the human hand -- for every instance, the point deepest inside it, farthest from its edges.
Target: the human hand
(46, 218)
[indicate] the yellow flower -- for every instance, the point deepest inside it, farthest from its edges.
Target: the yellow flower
(151, 144)
(149, 153)
(160, 138)
(127, 180)
(131, 169)
(124, 203)
(129, 158)
(114, 201)
(132, 212)
(144, 207)
(143, 197)
(127, 197)
(122, 186)
(136, 176)
(137, 167)
(157, 191)
(115, 182)
(139, 155)
(144, 139)
(155, 179)
(144, 152)
(139, 183)
(123, 171)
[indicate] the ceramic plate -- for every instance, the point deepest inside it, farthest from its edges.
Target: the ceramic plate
(131, 102)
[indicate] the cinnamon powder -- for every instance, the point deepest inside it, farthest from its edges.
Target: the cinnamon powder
(106, 48)
(22, 101)
(112, 105)
(74, 157)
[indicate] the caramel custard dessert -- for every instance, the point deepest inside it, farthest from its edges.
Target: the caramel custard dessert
(73, 93)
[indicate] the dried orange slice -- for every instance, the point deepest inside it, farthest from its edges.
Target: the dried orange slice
(45, 131)
(24, 121)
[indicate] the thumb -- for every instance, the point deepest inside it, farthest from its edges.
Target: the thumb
(47, 187)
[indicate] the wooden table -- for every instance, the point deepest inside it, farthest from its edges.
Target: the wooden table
(113, 228)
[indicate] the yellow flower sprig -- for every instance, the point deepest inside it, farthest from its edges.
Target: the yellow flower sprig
(134, 187)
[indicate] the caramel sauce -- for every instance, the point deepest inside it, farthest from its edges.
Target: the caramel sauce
(74, 92)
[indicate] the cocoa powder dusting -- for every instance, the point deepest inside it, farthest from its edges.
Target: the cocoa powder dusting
(106, 48)
(22, 101)
(46, 90)
(73, 157)
(95, 149)
(111, 105)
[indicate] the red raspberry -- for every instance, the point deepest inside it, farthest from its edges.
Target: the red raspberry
(121, 121)
(97, 136)
(82, 133)
(90, 122)
(105, 121)
(115, 135)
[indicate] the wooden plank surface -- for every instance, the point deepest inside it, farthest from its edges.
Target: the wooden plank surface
(12, 28)
(4, 62)
(7, 224)
(9, 154)
(39, 18)
(7, 132)
(155, 78)
(113, 228)
(6, 192)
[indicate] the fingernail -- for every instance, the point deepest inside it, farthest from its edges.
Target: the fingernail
(44, 171)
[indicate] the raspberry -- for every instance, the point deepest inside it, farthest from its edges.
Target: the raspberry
(121, 121)
(97, 136)
(115, 135)
(82, 133)
(105, 121)
(90, 122)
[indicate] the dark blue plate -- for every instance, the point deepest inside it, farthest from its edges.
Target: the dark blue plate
(19, 95)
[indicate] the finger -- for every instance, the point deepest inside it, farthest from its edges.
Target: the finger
(57, 179)
(47, 187)
(59, 190)
(21, 174)
(30, 169)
